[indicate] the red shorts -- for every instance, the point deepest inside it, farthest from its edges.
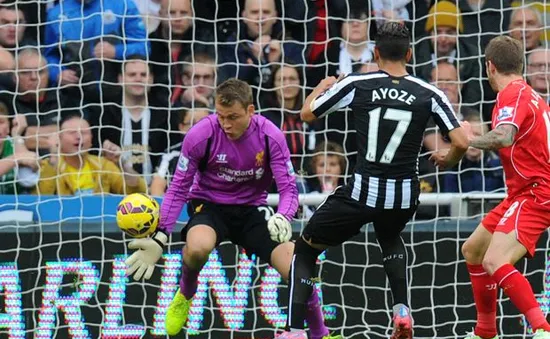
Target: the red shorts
(523, 214)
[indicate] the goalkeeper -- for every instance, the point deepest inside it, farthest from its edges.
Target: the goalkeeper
(227, 162)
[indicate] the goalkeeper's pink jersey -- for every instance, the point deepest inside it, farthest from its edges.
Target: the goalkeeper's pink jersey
(238, 172)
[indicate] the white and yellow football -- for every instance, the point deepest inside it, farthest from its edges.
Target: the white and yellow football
(138, 215)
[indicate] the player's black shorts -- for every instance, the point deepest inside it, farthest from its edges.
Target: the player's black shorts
(340, 217)
(245, 226)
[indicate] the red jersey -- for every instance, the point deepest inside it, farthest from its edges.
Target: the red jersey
(526, 162)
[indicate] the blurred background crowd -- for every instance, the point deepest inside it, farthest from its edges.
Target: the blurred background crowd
(97, 95)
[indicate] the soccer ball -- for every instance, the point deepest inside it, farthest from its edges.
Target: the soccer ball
(138, 215)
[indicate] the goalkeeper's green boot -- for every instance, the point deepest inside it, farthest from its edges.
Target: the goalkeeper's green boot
(333, 336)
(472, 335)
(177, 313)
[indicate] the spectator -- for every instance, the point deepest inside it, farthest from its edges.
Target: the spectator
(478, 171)
(354, 49)
(35, 106)
(7, 65)
(345, 57)
(283, 108)
(82, 39)
(71, 170)
(176, 39)
(35, 18)
(538, 71)
(133, 123)
(187, 117)
(443, 25)
(328, 165)
(445, 77)
(250, 55)
(199, 80)
(12, 28)
(18, 166)
(339, 128)
(526, 26)
(483, 20)
(308, 21)
(390, 10)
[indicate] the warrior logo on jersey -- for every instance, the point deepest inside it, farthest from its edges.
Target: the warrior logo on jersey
(183, 162)
(505, 113)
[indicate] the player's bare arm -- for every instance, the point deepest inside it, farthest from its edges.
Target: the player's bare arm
(447, 158)
(500, 137)
(306, 114)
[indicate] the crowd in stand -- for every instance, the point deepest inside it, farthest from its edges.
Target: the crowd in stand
(96, 95)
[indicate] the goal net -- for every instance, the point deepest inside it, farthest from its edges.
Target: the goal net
(62, 272)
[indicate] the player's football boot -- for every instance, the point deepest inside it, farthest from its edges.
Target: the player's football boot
(472, 335)
(402, 324)
(541, 334)
(333, 336)
(177, 313)
(292, 335)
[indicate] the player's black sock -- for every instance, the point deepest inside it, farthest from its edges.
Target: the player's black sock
(394, 255)
(302, 270)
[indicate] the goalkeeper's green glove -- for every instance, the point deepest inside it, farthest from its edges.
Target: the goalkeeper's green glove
(149, 251)
(279, 228)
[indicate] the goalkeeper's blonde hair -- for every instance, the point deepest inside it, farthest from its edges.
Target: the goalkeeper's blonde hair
(232, 91)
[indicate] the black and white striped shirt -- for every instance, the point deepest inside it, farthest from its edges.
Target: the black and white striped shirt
(169, 162)
(391, 114)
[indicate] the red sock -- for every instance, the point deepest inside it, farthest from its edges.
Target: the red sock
(518, 289)
(485, 297)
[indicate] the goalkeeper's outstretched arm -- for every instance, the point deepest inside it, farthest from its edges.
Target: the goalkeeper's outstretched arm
(283, 172)
(176, 195)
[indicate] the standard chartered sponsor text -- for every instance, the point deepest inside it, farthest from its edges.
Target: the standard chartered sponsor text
(233, 175)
